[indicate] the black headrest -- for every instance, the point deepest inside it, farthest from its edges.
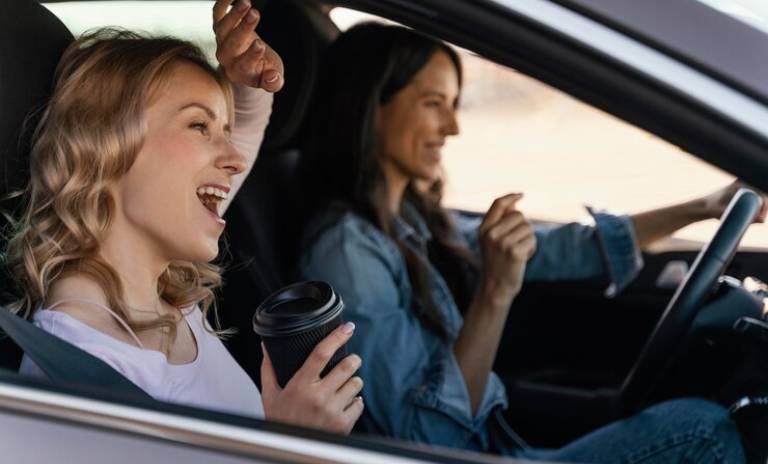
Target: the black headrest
(32, 40)
(299, 33)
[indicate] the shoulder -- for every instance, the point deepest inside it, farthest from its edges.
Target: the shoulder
(345, 243)
(73, 316)
(334, 226)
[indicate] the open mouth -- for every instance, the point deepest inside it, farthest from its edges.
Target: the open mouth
(211, 198)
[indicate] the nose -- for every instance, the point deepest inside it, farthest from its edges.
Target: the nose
(231, 160)
(450, 123)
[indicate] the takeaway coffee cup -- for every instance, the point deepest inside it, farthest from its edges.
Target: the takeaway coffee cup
(293, 320)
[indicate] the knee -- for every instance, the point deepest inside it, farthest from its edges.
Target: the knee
(706, 422)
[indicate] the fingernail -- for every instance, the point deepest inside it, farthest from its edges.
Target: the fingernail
(272, 80)
(242, 5)
(251, 17)
(348, 328)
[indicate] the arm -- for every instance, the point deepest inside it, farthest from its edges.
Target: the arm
(507, 242)
(255, 69)
(253, 108)
(654, 225)
(414, 388)
(575, 251)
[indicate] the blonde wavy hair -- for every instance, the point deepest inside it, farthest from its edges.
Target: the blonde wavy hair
(88, 137)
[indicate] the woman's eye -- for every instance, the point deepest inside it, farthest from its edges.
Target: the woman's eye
(200, 127)
(432, 104)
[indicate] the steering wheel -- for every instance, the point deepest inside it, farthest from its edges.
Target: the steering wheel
(698, 285)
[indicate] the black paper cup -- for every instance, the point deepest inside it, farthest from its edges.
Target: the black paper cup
(293, 320)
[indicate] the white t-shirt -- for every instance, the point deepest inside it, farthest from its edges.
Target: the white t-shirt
(213, 380)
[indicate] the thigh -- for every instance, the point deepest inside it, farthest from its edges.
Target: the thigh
(684, 430)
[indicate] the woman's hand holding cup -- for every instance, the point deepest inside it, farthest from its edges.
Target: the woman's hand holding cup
(507, 242)
(331, 403)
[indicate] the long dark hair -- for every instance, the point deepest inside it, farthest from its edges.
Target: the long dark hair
(363, 70)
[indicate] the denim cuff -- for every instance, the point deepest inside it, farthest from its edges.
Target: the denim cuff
(623, 258)
(445, 391)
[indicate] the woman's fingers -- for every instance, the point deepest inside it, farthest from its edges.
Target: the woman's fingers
(505, 225)
(345, 395)
(220, 9)
(352, 413)
(341, 373)
(323, 352)
(498, 209)
(521, 247)
(239, 39)
(269, 385)
(250, 65)
(272, 78)
(224, 22)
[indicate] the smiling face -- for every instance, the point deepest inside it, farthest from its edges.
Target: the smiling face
(168, 199)
(413, 125)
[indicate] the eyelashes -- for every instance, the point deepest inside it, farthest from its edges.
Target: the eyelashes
(203, 128)
(200, 126)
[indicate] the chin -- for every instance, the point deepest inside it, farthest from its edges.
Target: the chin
(201, 252)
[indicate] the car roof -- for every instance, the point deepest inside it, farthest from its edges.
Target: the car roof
(736, 53)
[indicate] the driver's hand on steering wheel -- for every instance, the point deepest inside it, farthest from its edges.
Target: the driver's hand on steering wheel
(716, 202)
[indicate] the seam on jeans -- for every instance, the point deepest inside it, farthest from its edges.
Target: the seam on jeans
(676, 442)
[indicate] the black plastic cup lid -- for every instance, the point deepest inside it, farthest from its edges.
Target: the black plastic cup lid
(296, 308)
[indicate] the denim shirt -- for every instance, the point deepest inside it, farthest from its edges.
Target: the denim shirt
(414, 388)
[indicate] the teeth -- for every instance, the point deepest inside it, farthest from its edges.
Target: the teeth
(212, 191)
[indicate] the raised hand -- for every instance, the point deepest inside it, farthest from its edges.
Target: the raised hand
(507, 241)
(244, 56)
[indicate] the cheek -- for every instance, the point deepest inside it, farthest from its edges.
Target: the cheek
(157, 193)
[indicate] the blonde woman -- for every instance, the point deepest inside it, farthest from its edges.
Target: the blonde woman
(136, 157)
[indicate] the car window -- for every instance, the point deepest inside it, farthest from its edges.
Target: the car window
(190, 20)
(520, 135)
(752, 12)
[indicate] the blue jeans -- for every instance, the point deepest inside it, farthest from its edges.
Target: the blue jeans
(680, 431)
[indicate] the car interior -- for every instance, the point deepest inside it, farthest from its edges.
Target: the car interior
(567, 349)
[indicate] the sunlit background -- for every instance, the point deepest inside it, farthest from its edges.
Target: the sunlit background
(516, 133)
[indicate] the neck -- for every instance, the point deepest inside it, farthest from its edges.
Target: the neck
(138, 266)
(396, 184)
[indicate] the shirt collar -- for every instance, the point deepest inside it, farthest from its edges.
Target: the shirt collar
(410, 225)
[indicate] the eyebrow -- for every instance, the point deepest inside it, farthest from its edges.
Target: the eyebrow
(433, 93)
(207, 110)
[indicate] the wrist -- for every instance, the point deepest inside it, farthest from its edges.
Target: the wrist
(495, 295)
(704, 208)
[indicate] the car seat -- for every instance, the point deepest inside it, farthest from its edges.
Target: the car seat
(32, 40)
(263, 227)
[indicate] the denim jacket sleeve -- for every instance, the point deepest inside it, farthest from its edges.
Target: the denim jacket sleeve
(607, 248)
(414, 388)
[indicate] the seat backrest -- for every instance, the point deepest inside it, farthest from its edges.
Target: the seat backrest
(263, 227)
(32, 40)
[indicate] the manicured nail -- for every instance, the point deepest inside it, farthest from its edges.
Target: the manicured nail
(272, 80)
(251, 17)
(348, 328)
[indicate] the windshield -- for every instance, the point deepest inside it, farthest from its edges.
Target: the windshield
(752, 12)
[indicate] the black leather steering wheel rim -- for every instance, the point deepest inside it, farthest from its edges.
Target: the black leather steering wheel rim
(701, 280)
